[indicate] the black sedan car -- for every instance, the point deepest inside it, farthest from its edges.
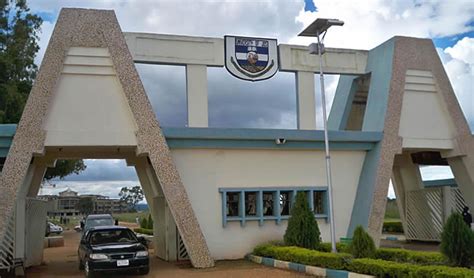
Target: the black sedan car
(112, 248)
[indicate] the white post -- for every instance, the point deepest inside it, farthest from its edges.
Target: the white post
(306, 100)
(196, 92)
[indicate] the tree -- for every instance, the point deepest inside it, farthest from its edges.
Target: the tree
(302, 230)
(85, 205)
(362, 245)
(19, 31)
(131, 196)
(64, 168)
(457, 241)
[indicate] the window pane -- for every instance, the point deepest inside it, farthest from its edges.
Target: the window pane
(318, 200)
(285, 202)
(233, 203)
(268, 203)
(251, 203)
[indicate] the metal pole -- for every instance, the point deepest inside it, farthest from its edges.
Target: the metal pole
(326, 144)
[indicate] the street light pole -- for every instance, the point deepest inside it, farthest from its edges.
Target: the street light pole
(326, 145)
(318, 27)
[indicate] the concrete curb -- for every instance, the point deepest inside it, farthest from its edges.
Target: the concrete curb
(312, 270)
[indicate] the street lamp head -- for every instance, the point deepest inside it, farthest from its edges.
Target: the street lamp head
(319, 26)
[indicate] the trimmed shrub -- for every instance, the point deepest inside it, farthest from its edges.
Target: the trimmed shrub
(393, 227)
(408, 256)
(302, 230)
(143, 231)
(303, 256)
(362, 245)
(144, 223)
(149, 222)
(457, 241)
(343, 261)
(326, 247)
(381, 268)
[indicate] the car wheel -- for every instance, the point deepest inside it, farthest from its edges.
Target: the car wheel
(88, 272)
(144, 271)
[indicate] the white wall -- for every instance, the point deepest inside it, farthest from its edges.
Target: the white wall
(205, 171)
(425, 121)
(89, 106)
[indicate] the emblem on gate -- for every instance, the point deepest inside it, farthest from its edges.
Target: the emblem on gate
(251, 59)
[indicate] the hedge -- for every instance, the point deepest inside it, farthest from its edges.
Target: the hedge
(409, 256)
(376, 267)
(326, 247)
(303, 256)
(393, 227)
(381, 268)
(144, 231)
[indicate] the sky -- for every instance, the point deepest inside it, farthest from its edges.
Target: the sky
(270, 103)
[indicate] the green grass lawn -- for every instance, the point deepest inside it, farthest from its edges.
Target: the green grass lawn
(130, 217)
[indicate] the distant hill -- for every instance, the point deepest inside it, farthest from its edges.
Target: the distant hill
(141, 207)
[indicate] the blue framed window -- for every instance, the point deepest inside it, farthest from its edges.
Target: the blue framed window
(263, 204)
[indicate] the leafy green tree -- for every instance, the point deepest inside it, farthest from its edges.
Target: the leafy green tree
(131, 196)
(64, 168)
(457, 241)
(362, 245)
(302, 230)
(19, 31)
(85, 205)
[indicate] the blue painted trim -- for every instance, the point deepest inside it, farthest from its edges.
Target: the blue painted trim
(277, 206)
(332, 273)
(243, 218)
(286, 188)
(269, 134)
(445, 182)
(342, 104)
(7, 130)
(269, 144)
(260, 207)
(365, 189)
(224, 209)
(265, 138)
(297, 267)
(242, 208)
(268, 261)
(379, 64)
(3, 153)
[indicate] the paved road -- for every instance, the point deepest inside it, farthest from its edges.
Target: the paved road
(62, 262)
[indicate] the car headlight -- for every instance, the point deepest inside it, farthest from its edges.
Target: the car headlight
(98, 256)
(142, 254)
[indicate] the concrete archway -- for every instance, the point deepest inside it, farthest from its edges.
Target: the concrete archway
(88, 100)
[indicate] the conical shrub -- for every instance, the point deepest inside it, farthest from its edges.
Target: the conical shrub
(302, 230)
(457, 241)
(150, 222)
(362, 245)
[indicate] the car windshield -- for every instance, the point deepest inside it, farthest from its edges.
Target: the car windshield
(112, 237)
(99, 222)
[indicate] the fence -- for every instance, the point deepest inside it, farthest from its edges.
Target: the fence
(427, 209)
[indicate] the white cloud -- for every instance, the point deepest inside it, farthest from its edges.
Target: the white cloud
(369, 23)
(459, 64)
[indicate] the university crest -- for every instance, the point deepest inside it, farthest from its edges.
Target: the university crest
(251, 59)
